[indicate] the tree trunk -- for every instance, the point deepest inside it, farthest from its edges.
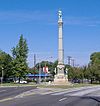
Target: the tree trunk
(91, 80)
(19, 80)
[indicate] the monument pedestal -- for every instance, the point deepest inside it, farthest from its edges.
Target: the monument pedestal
(60, 79)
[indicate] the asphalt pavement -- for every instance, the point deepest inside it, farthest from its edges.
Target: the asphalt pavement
(85, 96)
(6, 92)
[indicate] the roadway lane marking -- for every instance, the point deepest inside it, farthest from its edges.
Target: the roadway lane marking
(2, 90)
(6, 99)
(62, 99)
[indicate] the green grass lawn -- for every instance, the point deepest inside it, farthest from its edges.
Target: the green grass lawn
(47, 86)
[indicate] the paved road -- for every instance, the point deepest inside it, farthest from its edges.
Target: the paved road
(6, 92)
(88, 96)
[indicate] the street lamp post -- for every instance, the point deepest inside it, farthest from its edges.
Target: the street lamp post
(39, 73)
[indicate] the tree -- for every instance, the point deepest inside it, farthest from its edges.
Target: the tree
(20, 53)
(95, 58)
(94, 66)
(5, 64)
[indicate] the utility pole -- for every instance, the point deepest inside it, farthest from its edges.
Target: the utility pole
(34, 60)
(39, 73)
(73, 62)
(69, 59)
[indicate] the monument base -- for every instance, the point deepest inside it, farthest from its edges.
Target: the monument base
(61, 79)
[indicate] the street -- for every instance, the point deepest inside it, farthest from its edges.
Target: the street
(6, 92)
(84, 96)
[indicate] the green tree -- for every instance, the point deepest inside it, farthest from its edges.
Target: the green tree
(95, 58)
(5, 64)
(94, 67)
(20, 53)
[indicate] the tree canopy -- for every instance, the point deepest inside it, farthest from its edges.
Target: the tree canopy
(5, 64)
(20, 52)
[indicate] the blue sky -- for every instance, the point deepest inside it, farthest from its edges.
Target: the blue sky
(37, 21)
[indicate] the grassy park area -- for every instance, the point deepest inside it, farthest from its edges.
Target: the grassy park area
(65, 86)
(46, 85)
(16, 84)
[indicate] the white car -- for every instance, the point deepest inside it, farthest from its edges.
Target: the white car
(21, 82)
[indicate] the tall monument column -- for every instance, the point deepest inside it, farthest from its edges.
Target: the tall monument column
(60, 65)
(60, 78)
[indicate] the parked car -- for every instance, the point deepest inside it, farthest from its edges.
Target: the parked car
(21, 82)
(76, 81)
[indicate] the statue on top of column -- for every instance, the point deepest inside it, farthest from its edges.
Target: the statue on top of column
(60, 14)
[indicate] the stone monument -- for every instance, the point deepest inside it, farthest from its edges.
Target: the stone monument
(60, 77)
